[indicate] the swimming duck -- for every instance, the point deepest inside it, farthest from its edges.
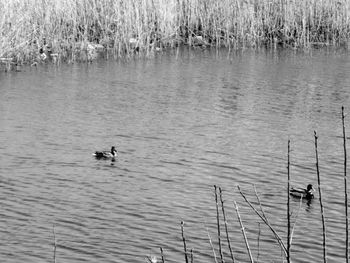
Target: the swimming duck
(303, 193)
(106, 154)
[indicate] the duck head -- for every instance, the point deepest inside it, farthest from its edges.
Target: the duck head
(113, 151)
(309, 192)
(310, 188)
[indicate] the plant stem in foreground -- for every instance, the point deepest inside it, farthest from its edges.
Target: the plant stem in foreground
(288, 204)
(184, 240)
(218, 224)
(244, 234)
(224, 214)
(320, 198)
(345, 189)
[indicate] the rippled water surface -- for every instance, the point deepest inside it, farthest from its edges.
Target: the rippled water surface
(181, 122)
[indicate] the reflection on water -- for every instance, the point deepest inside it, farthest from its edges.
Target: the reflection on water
(181, 123)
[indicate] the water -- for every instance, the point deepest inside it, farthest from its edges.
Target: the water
(181, 122)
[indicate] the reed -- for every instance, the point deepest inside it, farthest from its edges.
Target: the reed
(265, 220)
(218, 223)
(345, 189)
(320, 198)
(288, 204)
(226, 227)
(211, 245)
(295, 223)
(54, 243)
(244, 234)
(258, 243)
(162, 255)
(259, 202)
(184, 241)
(73, 30)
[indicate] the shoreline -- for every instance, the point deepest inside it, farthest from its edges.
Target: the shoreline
(79, 30)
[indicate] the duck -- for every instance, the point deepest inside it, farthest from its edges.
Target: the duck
(106, 154)
(303, 193)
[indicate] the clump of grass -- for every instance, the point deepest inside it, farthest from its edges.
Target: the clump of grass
(72, 30)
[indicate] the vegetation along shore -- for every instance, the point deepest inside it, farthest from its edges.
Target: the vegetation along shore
(33, 31)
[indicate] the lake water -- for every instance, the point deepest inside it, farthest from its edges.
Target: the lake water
(182, 122)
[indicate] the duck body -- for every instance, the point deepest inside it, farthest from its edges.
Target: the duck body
(302, 193)
(106, 154)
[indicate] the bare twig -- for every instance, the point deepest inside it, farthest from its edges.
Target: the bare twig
(162, 254)
(278, 238)
(54, 244)
(218, 224)
(260, 204)
(244, 234)
(320, 198)
(227, 236)
(345, 189)
(184, 240)
(259, 233)
(211, 245)
(288, 204)
(295, 222)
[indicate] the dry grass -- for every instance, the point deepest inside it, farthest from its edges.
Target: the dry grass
(74, 29)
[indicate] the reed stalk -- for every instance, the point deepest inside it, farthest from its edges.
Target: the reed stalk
(264, 219)
(211, 245)
(260, 204)
(72, 30)
(162, 255)
(345, 189)
(54, 243)
(320, 198)
(288, 204)
(258, 241)
(184, 241)
(295, 223)
(244, 234)
(218, 224)
(226, 228)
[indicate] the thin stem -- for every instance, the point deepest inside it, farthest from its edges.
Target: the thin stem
(260, 204)
(211, 245)
(259, 233)
(320, 198)
(184, 240)
(218, 224)
(295, 223)
(345, 189)
(227, 236)
(263, 218)
(244, 234)
(288, 204)
(162, 254)
(54, 244)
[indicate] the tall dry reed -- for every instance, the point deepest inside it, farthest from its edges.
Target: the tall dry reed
(321, 202)
(288, 204)
(31, 30)
(345, 190)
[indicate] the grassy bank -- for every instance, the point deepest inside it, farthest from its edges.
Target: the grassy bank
(36, 30)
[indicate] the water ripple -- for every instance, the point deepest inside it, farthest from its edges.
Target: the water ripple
(181, 125)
